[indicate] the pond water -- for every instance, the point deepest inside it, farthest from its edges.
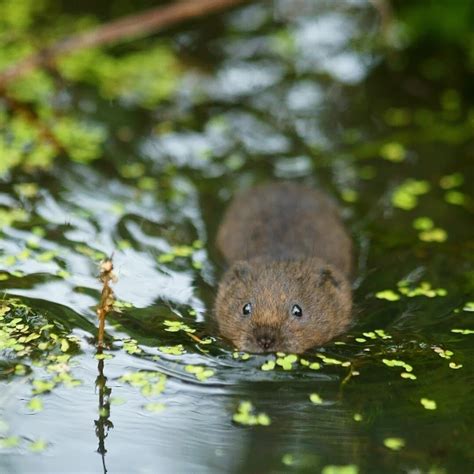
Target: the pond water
(265, 92)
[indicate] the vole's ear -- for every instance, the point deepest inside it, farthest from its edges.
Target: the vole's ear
(326, 275)
(240, 270)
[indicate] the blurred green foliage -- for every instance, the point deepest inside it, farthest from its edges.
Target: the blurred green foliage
(438, 22)
(41, 117)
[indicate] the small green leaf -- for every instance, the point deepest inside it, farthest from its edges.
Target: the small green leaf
(35, 404)
(428, 404)
(394, 443)
(316, 399)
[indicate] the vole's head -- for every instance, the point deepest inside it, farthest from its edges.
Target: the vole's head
(285, 306)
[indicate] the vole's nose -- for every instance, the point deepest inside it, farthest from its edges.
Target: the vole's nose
(265, 341)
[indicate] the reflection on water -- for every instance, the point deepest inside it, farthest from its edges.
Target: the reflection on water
(290, 92)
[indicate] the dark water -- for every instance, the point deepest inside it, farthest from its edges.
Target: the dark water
(305, 94)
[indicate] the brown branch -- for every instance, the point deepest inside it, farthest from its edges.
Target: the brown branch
(107, 277)
(133, 26)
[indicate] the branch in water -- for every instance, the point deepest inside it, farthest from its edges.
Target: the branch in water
(129, 27)
(107, 276)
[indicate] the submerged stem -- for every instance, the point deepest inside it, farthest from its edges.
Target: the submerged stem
(107, 276)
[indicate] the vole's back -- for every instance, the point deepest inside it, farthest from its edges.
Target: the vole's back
(284, 221)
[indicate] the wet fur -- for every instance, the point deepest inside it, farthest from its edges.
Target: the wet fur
(286, 245)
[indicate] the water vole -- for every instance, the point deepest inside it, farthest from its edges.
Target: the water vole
(287, 287)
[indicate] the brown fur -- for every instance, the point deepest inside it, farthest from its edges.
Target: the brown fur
(287, 246)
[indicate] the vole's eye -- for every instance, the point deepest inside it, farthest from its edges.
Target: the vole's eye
(296, 311)
(247, 309)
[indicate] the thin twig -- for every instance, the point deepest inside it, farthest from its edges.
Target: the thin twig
(107, 277)
(129, 27)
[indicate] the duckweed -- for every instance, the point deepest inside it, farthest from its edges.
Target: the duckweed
(405, 196)
(465, 332)
(423, 289)
(35, 404)
(287, 361)
(397, 363)
(393, 151)
(433, 235)
(394, 443)
(38, 446)
(388, 295)
(246, 415)
(469, 306)
(332, 360)
(155, 407)
(444, 353)
(347, 469)
(150, 383)
(131, 346)
(316, 399)
(175, 326)
(201, 373)
(451, 181)
(268, 365)
(172, 350)
(9, 442)
(455, 197)
(428, 404)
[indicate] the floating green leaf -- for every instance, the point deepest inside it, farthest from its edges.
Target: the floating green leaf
(316, 399)
(388, 295)
(428, 404)
(246, 415)
(394, 443)
(35, 404)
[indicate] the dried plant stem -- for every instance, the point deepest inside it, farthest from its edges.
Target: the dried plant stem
(129, 27)
(107, 277)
